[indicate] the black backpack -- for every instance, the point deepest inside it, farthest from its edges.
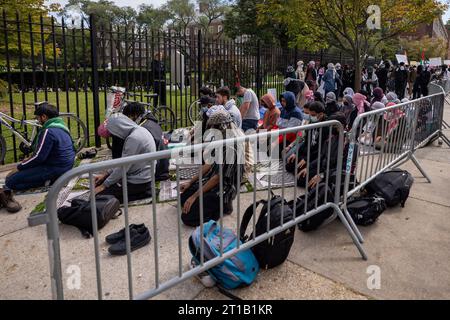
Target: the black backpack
(316, 220)
(162, 165)
(79, 213)
(393, 186)
(366, 210)
(275, 250)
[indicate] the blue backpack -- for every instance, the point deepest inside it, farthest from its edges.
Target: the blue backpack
(237, 271)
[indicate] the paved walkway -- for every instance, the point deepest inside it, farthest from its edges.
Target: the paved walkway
(411, 247)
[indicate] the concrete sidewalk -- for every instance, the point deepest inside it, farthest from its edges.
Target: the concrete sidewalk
(411, 246)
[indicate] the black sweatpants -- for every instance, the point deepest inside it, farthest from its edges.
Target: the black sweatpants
(211, 207)
(135, 191)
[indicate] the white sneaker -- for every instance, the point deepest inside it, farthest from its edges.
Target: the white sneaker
(204, 277)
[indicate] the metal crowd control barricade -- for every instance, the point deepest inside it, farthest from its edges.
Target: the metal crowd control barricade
(387, 138)
(331, 160)
(438, 87)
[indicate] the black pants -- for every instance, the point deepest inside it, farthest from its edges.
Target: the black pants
(135, 191)
(159, 87)
(211, 207)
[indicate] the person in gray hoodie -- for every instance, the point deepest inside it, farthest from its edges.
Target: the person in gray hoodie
(138, 140)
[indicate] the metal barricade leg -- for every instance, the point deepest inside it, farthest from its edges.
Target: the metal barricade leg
(417, 164)
(351, 231)
(352, 224)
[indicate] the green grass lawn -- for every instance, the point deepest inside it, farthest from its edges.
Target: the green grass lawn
(83, 106)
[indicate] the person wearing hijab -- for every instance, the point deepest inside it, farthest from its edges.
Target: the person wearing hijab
(291, 116)
(360, 102)
(330, 79)
(349, 92)
(331, 106)
(318, 97)
(272, 114)
(300, 73)
(348, 109)
(391, 97)
(311, 74)
(378, 96)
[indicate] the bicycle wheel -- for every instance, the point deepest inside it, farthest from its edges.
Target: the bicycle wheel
(166, 118)
(194, 112)
(2, 149)
(77, 130)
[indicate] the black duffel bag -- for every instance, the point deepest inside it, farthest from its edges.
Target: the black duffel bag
(393, 185)
(79, 213)
(366, 210)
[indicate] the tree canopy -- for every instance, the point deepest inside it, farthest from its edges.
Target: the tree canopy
(344, 24)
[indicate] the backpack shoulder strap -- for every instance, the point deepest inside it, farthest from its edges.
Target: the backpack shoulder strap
(246, 218)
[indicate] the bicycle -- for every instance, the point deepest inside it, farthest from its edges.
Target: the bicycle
(116, 102)
(26, 139)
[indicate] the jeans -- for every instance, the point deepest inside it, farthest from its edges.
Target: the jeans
(249, 124)
(34, 177)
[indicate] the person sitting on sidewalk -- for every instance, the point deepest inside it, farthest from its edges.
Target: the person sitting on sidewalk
(311, 139)
(136, 112)
(291, 149)
(138, 140)
(54, 155)
(223, 98)
(231, 166)
(249, 109)
(320, 163)
(272, 114)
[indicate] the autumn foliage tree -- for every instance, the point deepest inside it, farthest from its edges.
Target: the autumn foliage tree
(349, 25)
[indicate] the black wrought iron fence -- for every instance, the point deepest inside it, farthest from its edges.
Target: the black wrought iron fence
(72, 64)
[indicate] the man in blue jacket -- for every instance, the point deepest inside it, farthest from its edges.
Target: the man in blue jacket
(54, 155)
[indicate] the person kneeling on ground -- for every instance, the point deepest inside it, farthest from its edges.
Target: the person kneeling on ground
(272, 114)
(138, 140)
(190, 191)
(318, 165)
(54, 155)
(311, 138)
(136, 112)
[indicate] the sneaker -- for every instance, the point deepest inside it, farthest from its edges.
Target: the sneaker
(118, 236)
(8, 202)
(138, 239)
(205, 278)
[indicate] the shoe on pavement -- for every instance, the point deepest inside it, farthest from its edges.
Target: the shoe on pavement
(119, 236)
(8, 202)
(138, 239)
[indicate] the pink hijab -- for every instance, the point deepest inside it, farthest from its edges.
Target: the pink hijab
(392, 117)
(360, 102)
